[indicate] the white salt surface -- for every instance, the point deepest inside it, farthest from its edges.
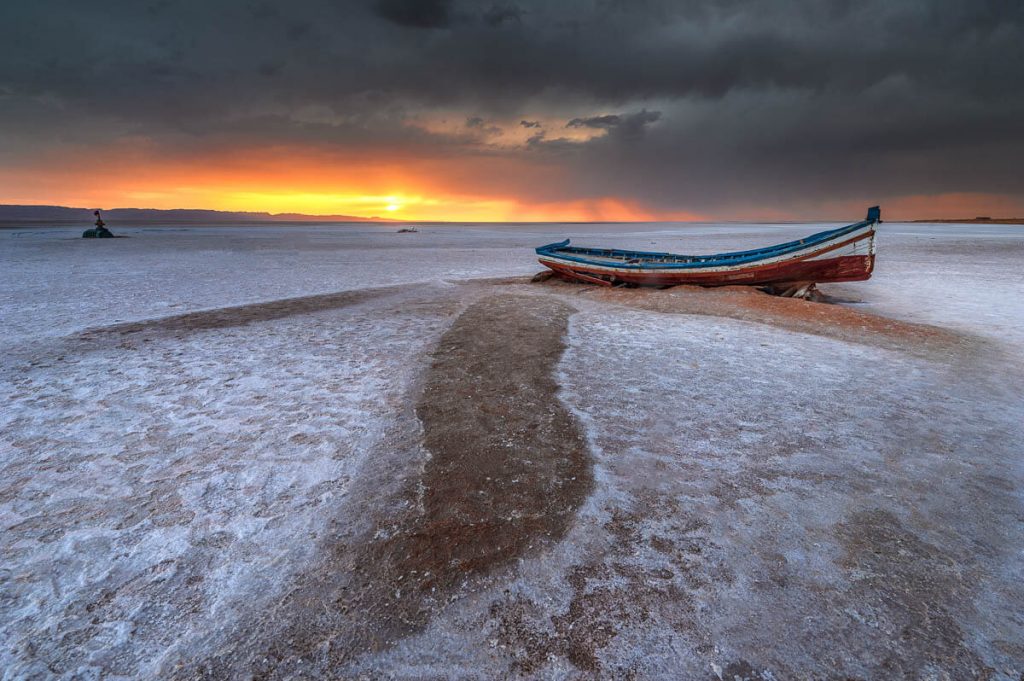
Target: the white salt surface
(769, 440)
(164, 486)
(153, 491)
(726, 455)
(53, 283)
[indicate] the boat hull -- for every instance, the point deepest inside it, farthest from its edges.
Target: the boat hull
(850, 259)
(847, 268)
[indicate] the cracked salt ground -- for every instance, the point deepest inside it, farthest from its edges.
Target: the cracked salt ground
(157, 490)
(742, 491)
(51, 285)
(834, 457)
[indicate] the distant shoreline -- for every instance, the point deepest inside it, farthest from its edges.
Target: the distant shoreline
(34, 224)
(41, 216)
(74, 215)
(976, 221)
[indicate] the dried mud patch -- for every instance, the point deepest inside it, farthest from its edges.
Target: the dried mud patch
(240, 315)
(646, 582)
(507, 468)
(905, 587)
(793, 314)
(509, 465)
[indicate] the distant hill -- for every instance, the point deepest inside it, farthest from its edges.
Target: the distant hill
(63, 214)
(978, 221)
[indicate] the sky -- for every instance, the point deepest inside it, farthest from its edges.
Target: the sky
(513, 110)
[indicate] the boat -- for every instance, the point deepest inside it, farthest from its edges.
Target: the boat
(843, 254)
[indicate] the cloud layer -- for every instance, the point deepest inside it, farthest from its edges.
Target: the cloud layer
(679, 106)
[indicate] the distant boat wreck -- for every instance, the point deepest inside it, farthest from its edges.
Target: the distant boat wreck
(844, 254)
(100, 231)
(407, 230)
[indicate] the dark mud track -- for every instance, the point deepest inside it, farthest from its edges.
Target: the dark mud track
(507, 467)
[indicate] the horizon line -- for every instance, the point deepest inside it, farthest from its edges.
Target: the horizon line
(312, 217)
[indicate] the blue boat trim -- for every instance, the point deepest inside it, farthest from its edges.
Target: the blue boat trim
(649, 260)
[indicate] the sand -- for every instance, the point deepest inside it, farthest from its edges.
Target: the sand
(424, 474)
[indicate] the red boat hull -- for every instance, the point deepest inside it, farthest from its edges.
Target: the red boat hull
(852, 259)
(845, 268)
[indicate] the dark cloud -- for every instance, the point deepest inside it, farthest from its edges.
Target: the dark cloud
(416, 13)
(605, 122)
(500, 15)
(633, 125)
(628, 126)
(711, 103)
(480, 126)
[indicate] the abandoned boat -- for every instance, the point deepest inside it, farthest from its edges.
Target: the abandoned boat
(843, 254)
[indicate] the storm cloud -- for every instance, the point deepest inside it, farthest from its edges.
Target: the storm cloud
(690, 106)
(416, 13)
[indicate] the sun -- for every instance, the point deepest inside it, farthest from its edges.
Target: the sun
(393, 204)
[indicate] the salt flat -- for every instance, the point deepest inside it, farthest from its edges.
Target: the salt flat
(191, 487)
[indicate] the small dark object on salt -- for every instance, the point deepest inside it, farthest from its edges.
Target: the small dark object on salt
(100, 231)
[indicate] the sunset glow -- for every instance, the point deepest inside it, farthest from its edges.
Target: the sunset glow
(312, 182)
(637, 114)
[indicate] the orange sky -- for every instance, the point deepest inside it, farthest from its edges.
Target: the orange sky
(474, 188)
(307, 181)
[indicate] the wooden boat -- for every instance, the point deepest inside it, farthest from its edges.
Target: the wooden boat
(844, 254)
